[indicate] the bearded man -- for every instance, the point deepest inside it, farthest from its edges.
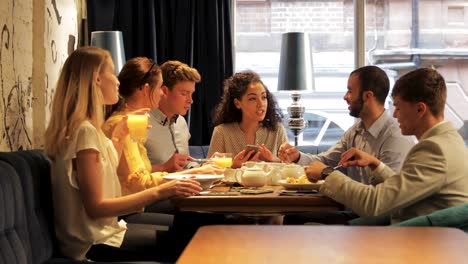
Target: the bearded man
(377, 133)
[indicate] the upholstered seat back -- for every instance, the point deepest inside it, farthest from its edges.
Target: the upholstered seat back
(14, 237)
(33, 171)
(198, 152)
(27, 232)
(456, 217)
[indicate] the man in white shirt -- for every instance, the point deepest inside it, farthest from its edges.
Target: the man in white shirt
(167, 143)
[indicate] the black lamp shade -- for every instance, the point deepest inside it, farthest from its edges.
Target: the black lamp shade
(295, 71)
(113, 42)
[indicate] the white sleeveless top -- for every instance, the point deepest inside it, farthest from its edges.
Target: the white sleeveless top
(75, 230)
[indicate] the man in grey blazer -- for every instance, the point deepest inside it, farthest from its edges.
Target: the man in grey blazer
(434, 174)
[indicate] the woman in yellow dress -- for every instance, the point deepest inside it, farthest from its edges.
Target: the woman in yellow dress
(140, 90)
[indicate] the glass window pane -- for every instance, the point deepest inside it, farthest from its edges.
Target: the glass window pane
(402, 35)
(330, 26)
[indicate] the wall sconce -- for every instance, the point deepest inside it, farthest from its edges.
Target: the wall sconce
(295, 75)
(113, 42)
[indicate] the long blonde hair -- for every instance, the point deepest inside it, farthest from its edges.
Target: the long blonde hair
(77, 97)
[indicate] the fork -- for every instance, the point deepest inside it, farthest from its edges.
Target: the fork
(337, 167)
(216, 183)
(201, 160)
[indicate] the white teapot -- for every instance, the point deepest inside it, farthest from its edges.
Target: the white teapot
(252, 177)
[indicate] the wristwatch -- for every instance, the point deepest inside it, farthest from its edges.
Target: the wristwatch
(326, 171)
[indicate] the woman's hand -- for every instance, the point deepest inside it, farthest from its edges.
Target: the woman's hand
(243, 157)
(178, 188)
(265, 153)
(288, 153)
(120, 130)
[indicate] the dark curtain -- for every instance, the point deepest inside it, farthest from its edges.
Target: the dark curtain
(197, 32)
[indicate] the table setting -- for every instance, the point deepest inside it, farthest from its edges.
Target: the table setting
(255, 178)
(257, 188)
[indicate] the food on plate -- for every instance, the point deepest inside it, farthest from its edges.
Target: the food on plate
(301, 180)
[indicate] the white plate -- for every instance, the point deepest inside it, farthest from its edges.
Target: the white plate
(205, 180)
(300, 186)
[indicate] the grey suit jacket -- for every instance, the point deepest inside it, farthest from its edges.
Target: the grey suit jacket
(434, 176)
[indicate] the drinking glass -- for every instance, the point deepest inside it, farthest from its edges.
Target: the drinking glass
(137, 126)
(223, 160)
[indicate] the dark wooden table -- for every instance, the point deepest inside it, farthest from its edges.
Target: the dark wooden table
(270, 203)
(326, 244)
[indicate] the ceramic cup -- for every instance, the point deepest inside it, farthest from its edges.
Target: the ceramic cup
(231, 175)
(292, 170)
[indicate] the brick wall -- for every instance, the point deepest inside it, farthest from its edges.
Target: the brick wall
(330, 23)
(442, 23)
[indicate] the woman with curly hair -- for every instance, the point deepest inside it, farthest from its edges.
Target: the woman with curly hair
(247, 115)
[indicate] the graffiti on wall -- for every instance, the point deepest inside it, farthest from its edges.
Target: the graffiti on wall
(17, 129)
(59, 32)
(15, 88)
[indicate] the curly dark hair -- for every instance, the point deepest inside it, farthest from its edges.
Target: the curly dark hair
(234, 88)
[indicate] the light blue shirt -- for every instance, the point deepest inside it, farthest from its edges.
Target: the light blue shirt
(382, 140)
(167, 137)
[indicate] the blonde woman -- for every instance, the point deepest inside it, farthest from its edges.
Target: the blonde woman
(86, 190)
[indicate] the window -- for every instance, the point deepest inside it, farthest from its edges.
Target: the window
(259, 26)
(397, 39)
(404, 34)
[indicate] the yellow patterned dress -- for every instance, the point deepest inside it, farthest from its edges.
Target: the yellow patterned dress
(134, 169)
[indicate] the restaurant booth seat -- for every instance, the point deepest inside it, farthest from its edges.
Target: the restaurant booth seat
(27, 232)
(456, 217)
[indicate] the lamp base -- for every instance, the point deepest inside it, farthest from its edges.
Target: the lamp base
(296, 120)
(296, 123)
(296, 133)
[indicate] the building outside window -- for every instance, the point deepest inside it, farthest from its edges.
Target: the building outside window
(400, 35)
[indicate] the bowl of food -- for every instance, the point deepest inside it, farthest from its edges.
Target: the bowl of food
(205, 180)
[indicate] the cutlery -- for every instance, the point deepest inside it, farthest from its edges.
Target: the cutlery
(201, 160)
(337, 167)
(216, 183)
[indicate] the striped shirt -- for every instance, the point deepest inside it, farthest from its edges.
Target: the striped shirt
(231, 139)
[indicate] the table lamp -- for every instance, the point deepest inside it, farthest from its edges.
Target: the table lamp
(295, 75)
(113, 42)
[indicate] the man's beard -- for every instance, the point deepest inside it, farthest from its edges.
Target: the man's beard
(356, 107)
